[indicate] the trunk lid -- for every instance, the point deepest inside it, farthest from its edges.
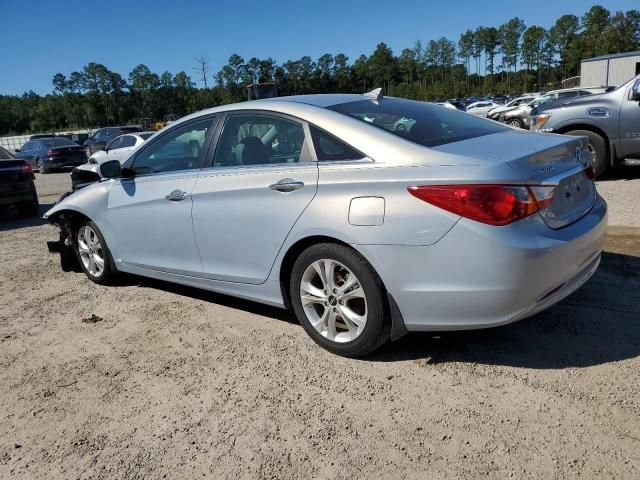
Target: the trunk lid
(72, 151)
(540, 159)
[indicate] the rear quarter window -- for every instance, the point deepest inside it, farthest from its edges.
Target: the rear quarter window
(330, 148)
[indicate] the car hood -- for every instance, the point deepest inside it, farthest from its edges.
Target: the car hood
(535, 157)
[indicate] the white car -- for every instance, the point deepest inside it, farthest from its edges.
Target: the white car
(445, 105)
(481, 109)
(119, 148)
(512, 104)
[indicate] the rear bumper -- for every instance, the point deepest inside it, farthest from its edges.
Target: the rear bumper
(479, 276)
(54, 162)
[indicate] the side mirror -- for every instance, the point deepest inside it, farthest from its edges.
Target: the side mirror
(111, 169)
(635, 91)
(17, 150)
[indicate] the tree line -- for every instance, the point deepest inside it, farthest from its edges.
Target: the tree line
(512, 57)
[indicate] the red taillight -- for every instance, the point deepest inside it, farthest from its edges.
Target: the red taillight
(53, 152)
(26, 169)
(491, 204)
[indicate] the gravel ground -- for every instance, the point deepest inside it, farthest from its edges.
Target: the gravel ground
(151, 380)
(621, 189)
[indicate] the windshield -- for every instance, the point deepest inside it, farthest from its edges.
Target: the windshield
(418, 122)
(57, 142)
(144, 136)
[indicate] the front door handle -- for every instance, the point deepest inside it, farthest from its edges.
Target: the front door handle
(176, 196)
(286, 185)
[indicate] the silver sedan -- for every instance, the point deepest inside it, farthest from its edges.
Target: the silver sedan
(365, 231)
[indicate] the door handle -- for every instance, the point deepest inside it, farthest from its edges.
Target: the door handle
(176, 196)
(286, 185)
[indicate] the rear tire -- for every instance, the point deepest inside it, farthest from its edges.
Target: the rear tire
(347, 314)
(93, 254)
(598, 148)
(514, 122)
(42, 168)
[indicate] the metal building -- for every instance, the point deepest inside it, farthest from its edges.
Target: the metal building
(609, 70)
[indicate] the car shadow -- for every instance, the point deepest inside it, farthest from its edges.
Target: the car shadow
(622, 172)
(208, 296)
(10, 219)
(600, 323)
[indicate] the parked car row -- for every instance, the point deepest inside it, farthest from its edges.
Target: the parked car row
(519, 113)
(47, 151)
(610, 121)
(102, 137)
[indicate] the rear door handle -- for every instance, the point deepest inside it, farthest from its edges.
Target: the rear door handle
(176, 196)
(286, 185)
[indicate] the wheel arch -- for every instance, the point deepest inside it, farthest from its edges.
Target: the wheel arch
(289, 258)
(591, 128)
(398, 328)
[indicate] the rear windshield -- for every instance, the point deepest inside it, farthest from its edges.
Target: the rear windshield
(144, 136)
(419, 122)
(57, 142)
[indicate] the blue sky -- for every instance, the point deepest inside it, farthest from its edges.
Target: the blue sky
(41, 38)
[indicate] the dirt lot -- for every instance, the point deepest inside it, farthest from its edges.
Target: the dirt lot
(150, 380)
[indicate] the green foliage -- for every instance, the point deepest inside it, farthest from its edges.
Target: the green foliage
(482, 61)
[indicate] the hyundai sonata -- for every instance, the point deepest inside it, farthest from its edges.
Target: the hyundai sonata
(320, 204)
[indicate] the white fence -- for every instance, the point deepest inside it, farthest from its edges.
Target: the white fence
(15, 142)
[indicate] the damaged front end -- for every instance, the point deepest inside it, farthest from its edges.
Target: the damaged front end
(66, 246)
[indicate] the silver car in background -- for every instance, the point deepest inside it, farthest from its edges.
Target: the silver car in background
(482, 108)
(320, 204)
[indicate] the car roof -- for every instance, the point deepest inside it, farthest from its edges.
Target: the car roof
(372, 141)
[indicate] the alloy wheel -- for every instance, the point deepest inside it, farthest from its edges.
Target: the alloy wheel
(333, 300)
(91, 251)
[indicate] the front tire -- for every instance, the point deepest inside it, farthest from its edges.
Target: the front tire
(597, 147)
(339, 300)
(93, 254)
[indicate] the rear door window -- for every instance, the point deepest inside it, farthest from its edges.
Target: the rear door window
(259, 139)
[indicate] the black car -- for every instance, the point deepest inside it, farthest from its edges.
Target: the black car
(104, 135)
(17, 187)
(54, 152)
